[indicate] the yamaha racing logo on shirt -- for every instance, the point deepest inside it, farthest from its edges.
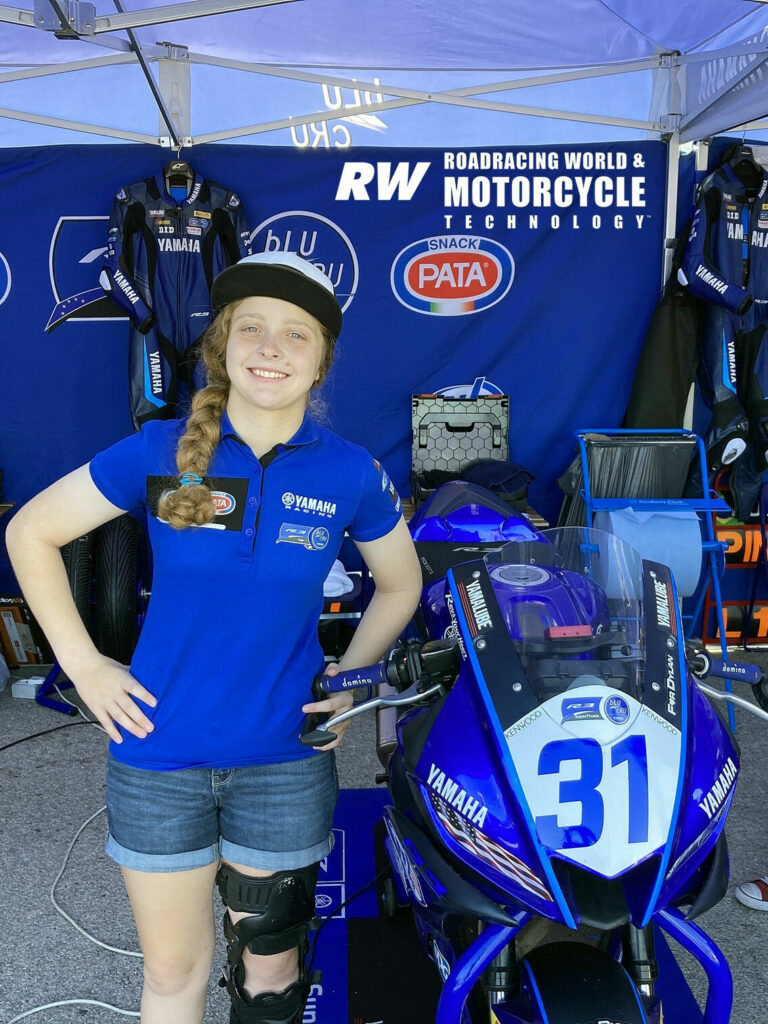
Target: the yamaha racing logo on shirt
(452, 275)
(314, 238)
(314, 506)
(313, 538)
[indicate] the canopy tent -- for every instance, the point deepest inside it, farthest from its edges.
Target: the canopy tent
(292, 78)
(255, 69)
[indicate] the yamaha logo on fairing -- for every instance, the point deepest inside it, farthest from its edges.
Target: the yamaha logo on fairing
(452, 275)
(715, 798)
(471, 807)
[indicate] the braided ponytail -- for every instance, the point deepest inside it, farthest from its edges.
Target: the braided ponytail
(191, 504)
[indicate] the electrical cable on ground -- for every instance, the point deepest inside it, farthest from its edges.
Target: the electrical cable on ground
(115, 949)
(75, 925)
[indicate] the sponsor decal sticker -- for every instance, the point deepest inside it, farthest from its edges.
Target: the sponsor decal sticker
(579, 709)
(452, 275)
(203, 214)
(314, 538)
(616, 709)
(475, 608)
(225, 503)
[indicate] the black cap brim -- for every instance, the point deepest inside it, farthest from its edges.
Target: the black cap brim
(242, 280)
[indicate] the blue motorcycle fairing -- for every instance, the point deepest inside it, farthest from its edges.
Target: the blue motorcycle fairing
(573, 771)
(463, 512)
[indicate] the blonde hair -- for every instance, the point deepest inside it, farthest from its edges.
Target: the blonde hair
(192, 504)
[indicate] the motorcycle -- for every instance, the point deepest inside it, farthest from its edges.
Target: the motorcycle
(559, 777)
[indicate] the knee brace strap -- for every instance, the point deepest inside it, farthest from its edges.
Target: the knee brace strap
(282, 905)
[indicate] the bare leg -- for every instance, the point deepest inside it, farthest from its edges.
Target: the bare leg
(174, 916)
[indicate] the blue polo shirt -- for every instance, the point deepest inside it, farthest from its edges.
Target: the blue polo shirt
(229, 646)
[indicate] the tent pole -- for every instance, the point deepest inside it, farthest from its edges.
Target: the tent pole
(670, 221)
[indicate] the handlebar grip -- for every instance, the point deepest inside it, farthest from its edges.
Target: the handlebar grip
(751, 674)
(368, 675)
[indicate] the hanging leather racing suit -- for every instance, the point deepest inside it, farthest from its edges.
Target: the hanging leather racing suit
(161, 260)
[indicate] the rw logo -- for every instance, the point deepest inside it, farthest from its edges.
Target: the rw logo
(386, 183)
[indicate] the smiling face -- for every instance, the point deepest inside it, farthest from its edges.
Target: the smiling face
(274, 354)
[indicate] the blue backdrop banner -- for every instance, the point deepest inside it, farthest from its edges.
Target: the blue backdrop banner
(530, 272)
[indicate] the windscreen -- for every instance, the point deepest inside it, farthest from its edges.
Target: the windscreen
(572, 603)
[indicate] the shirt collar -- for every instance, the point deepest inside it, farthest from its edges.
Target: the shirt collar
(306, 434)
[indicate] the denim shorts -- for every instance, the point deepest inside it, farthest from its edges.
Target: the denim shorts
(275, 817)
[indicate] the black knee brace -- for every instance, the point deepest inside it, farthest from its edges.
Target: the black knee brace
(283, 907)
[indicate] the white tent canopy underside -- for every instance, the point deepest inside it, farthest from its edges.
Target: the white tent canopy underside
(401, 72)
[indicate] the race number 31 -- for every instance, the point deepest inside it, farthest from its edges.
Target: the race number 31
(584, 791)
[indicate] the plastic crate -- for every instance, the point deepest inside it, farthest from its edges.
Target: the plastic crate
(449, 433)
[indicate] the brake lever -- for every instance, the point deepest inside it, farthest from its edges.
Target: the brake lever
(725, 695)
(322, 737)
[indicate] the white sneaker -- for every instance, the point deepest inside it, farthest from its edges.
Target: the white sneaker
(753, 894)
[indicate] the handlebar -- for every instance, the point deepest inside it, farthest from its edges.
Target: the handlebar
(403, 666)
(416, 671)
(702, 664)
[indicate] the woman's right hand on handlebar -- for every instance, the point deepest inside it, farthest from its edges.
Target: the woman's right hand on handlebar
(108, 689)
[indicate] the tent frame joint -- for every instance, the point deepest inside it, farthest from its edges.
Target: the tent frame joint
(67, 19)
(174, 51)
(184, 142)
(670, 125)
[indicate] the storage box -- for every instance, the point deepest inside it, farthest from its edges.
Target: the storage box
(450, 433)
(21, 639)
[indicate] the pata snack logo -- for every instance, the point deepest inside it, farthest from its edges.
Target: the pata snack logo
(452, 275)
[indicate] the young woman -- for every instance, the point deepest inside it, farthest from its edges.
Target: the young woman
(207, 781)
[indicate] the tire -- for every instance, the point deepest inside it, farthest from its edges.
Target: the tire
(116, 605)
(78, 559)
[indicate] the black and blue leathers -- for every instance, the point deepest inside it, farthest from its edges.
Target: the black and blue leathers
(726, 265)
(162, 256)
